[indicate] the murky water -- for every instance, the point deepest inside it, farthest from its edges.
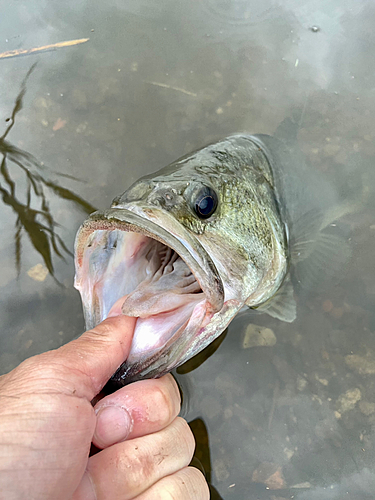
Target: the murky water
(156, 80)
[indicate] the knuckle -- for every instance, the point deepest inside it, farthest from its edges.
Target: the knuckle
(31, 370)
(102, 330)
(187, 484)
(140, 466)
(163, 400)
(185, 436)
(173, 387)
(199, 486)
(97, 337)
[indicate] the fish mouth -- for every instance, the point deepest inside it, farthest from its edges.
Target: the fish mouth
(138, 260)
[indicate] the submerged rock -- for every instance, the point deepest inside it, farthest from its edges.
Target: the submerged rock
(269, 474)
(256, 335)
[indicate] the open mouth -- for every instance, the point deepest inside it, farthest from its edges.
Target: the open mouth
(139, 261)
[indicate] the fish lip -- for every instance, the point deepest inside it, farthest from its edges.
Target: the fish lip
(143, 218)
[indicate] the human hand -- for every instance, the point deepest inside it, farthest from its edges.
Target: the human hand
(47, 425)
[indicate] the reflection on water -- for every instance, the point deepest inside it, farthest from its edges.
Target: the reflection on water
(294, 419)
(38, 223)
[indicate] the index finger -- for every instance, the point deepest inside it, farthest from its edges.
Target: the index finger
(138, 409)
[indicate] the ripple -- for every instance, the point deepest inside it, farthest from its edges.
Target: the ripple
(239, 12)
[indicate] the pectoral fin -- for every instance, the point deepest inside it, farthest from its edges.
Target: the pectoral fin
(282, 305)
(317, 251)
(327, 257)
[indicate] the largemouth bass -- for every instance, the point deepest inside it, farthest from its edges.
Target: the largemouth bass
(186, 248)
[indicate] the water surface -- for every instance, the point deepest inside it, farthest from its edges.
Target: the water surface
(155, 81)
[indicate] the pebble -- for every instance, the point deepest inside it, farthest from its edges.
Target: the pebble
(331, 149)
(325, 355)
(289, 453)
(269, 474)
(302, 485)
(367, 408)
(348, 400)
(81, 128)
(228, 413)
(220, 470)
(38, 272)
(337, 312)
(301, 383)
(28, 344)
(258, 336)
(323, 381)
(364, 365)
(327, 306)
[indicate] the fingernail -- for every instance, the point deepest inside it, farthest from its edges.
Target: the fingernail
(116, 308)
(113, 424)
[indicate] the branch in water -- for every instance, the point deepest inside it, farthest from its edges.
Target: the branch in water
(25, 52)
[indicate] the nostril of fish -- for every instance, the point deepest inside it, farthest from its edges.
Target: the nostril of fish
(162, 196)
(166, 198)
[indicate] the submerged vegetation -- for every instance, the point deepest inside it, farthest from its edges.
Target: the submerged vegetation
(30, 204)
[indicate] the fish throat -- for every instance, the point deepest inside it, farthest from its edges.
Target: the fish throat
(128, 272)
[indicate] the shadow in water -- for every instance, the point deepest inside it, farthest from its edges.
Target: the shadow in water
(194, 362)
(202, 457)
(30, 203)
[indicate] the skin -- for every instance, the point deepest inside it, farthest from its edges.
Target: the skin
(47, 425)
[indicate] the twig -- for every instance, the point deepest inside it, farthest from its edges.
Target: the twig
(178, 89)
(26, 52)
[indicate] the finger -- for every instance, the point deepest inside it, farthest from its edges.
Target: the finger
(135, 410)
(185, 484)
(83, 366)
(125, 470)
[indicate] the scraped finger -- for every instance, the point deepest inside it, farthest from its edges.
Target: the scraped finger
(125, 470)
(138, 409)
(185, 484)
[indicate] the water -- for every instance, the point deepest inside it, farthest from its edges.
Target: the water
(155, 81)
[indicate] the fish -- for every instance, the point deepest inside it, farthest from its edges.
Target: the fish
(185, 249)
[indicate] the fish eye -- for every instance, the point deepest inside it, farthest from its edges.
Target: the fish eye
(205, 202)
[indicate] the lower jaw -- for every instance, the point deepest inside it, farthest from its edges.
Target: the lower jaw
(162, 358)
(187, 345)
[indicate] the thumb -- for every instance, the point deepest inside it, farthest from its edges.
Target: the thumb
(81, 367)
(98, 353)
